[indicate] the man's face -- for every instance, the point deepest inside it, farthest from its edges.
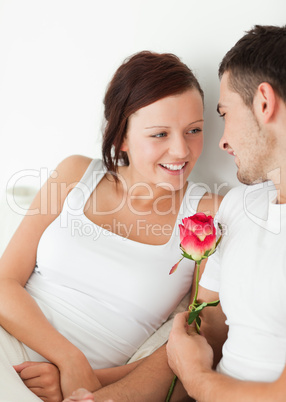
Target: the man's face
(243, 136)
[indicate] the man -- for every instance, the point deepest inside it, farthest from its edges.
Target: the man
(249, 268)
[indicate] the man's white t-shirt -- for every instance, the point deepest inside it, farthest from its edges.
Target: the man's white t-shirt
(249, 271)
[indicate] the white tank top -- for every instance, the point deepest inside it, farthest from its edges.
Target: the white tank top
(105, 293)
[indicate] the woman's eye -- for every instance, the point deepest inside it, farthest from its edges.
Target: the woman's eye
(195, 131)
(222, 115)
(159, 135)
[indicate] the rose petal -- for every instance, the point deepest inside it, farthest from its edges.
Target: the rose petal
(183, 232)
(201, 224)
(195, 248)
(174, 267)
(210, 242)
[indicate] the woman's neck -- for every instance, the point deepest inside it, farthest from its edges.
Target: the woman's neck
(144, 197)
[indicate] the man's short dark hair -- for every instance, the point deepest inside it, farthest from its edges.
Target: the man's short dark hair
(259, 56)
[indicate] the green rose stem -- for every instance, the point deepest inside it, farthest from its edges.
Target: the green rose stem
(194, 303)
(191, 307)
(195, 310)
(188, 231)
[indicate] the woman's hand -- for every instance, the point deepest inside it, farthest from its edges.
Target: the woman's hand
(43, 379)
(52, 384)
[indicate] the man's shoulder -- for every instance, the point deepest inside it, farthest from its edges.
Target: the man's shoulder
(243, 196)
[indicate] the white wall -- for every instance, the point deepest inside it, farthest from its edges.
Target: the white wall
(57, 57)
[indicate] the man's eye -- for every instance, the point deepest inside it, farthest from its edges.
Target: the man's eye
(222, 115)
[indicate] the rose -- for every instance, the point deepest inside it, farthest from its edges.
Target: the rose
(198, 236)
(197, 242)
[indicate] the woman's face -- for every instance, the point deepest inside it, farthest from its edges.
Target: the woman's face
(164, 140)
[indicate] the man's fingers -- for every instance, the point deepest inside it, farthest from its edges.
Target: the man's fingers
(81, 395)
(180, 320)
(181, 323)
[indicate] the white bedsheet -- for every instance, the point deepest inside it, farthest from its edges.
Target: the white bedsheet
(12, 389)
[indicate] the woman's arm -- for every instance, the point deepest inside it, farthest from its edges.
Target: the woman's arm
(20, 314)
(148, 379)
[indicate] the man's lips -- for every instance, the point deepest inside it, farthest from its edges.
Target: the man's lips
(231, 152)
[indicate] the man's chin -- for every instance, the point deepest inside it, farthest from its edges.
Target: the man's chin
(244, 179)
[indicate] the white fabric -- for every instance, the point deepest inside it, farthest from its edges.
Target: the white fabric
(249, 270)
(161, 335)
(12, 352)
(105, 293)
(12, 388)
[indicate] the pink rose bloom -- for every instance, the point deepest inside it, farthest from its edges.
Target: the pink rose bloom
(198, 236)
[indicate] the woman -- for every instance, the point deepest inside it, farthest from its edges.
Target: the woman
(84, 282)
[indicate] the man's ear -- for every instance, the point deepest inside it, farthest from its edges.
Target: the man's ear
(265, 102)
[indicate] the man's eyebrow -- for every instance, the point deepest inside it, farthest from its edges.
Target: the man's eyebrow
(218, 108)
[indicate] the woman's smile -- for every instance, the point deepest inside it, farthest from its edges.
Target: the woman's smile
(174, 168)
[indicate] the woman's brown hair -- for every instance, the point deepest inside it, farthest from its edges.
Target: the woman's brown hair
(141, 80)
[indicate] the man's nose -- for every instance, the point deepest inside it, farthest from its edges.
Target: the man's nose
(223, 144)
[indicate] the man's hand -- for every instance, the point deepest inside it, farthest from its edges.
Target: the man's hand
(188, 352)
(43, 379)
(82, 395)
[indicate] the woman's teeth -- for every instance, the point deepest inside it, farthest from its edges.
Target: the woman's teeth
(173, 167)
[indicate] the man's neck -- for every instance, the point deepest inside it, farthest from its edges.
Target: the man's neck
(278, 177)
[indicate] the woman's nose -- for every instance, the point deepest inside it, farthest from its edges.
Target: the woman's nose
(179, 148)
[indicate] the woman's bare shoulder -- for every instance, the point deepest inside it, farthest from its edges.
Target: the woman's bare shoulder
(19, 258)
(72, 168)
(209, 203)
(66, 176)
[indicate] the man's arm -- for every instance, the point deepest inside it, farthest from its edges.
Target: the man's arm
(148, 382)
(191, 358)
